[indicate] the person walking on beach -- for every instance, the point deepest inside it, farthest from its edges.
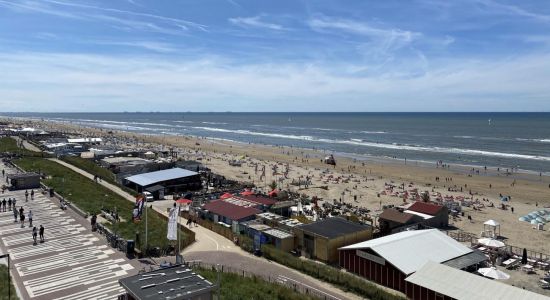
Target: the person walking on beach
(34, 234)
(29, 215)
(41, 231)
(32, 194)
(26, 195)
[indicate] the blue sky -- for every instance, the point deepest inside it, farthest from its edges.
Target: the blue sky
(236, 55)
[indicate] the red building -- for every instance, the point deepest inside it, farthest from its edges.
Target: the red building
(389, 260)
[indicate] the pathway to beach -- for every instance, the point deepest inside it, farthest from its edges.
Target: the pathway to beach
(72, 263)
(213, 248)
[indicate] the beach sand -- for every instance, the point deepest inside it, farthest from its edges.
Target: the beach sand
(528, 192)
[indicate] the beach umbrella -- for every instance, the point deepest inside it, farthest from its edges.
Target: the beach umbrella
(226, 195)
(523, 219)
(543, 212)
(547, 218)
(184, 201)
(534, 222)
(541, 220)
(524, 257)
(491, 243)
(493, 273)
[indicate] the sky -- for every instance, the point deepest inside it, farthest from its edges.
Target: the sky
(265, 55)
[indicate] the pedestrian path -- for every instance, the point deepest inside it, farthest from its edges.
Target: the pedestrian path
(73, 263)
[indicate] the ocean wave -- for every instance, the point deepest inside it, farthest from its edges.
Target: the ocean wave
(183, 121)
(394, 146)
(214, 123)
(374, 132)
(248, 132)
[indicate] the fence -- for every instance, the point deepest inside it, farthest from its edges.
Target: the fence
(290, 283)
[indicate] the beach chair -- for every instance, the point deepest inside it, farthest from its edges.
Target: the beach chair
(544, 284)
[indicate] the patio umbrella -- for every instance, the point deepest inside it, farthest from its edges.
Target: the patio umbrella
(491, 243)
(226, 195)
(183, 201)
(493, 273)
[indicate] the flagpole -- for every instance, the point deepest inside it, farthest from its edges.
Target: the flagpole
(178, 227)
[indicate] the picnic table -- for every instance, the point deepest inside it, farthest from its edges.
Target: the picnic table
(509, 262)
(527, 268)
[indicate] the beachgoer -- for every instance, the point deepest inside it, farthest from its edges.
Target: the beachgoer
(26, 195)
(15, 214)
(41, 231)
(32, 194)
(9, 204)
(4, 204)
(29, 215)
(22, 219)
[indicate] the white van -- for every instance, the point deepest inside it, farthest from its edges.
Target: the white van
(148, 196)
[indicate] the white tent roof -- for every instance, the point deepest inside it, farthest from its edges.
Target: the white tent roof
(493, 273)
(492, 223)
(410, 250)
(146, 179)
(462, 285)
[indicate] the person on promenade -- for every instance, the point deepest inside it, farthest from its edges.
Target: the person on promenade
(4, 204)
(41, 231)
(93, 222)
(26, 195)
(15, 214)
(34, 234)
(9, 204)
(32, 194)
(29, 215)
(22, 218)
(13, 202)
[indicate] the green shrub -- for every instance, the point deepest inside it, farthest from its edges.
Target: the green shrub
(4, 285)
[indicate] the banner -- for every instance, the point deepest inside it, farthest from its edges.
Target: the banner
(172, 234)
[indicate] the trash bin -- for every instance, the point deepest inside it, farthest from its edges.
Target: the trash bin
(130, 245)
(51, 193)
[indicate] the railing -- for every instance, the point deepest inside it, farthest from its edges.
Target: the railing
(290, 283)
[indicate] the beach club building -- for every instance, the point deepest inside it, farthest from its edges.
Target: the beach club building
(231, 214)
(436, 281)
(389, 260)
(320, 240)
(433, 215)
(165, 181)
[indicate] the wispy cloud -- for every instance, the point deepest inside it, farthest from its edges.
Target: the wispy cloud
(254, 22)
(502, 8)
(384, 39)
(147, 45)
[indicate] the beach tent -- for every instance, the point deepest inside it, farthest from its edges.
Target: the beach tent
(226, 196)
(534, 222)
(493, 273)
(504, 199)
(493, 226)
(524, 219)
(491, 243)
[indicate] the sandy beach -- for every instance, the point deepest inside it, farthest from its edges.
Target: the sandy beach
(361, 184)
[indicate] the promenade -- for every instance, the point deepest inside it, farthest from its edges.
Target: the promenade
(73, 263)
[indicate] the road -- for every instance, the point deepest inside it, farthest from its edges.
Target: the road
(212, 247)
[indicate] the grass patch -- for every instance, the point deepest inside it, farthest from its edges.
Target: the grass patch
(329, 274)
(234, 286)
(7, 144)
(90, 196)
(4, 285)
(91, 167)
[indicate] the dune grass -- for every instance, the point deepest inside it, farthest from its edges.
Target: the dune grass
(4, 285)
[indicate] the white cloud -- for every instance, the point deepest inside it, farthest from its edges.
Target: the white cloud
(69, 82)
(255, 22)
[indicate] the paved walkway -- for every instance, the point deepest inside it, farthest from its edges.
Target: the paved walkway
(72, 263)
(212, 247)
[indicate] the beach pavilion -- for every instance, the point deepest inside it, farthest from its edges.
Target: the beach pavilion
(491, 228)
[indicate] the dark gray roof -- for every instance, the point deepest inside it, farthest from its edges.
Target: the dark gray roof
(333, 227)
(466, 260)
(23, 175)
(172, 283)
(155, 188)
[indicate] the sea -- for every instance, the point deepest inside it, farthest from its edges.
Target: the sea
(519, 141)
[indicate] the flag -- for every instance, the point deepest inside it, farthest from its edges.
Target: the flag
(172, 234)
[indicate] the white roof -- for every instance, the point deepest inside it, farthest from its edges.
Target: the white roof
(85, 140)
(460, 284)
(408, 251)
(158, 176)
(278, 233)
(424, 216)
(492, 223)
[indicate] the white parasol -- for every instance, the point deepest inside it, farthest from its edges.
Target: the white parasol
(493, 273)
(491, 243)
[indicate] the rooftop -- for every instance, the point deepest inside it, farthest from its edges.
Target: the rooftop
(408, 251)
(425, 208)
(23, 175)
(333, 227)
(394, 215)
(260, 199)
(146, 179)
(229, 210)
(281, 234)
(173, 283)
(460, 285)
